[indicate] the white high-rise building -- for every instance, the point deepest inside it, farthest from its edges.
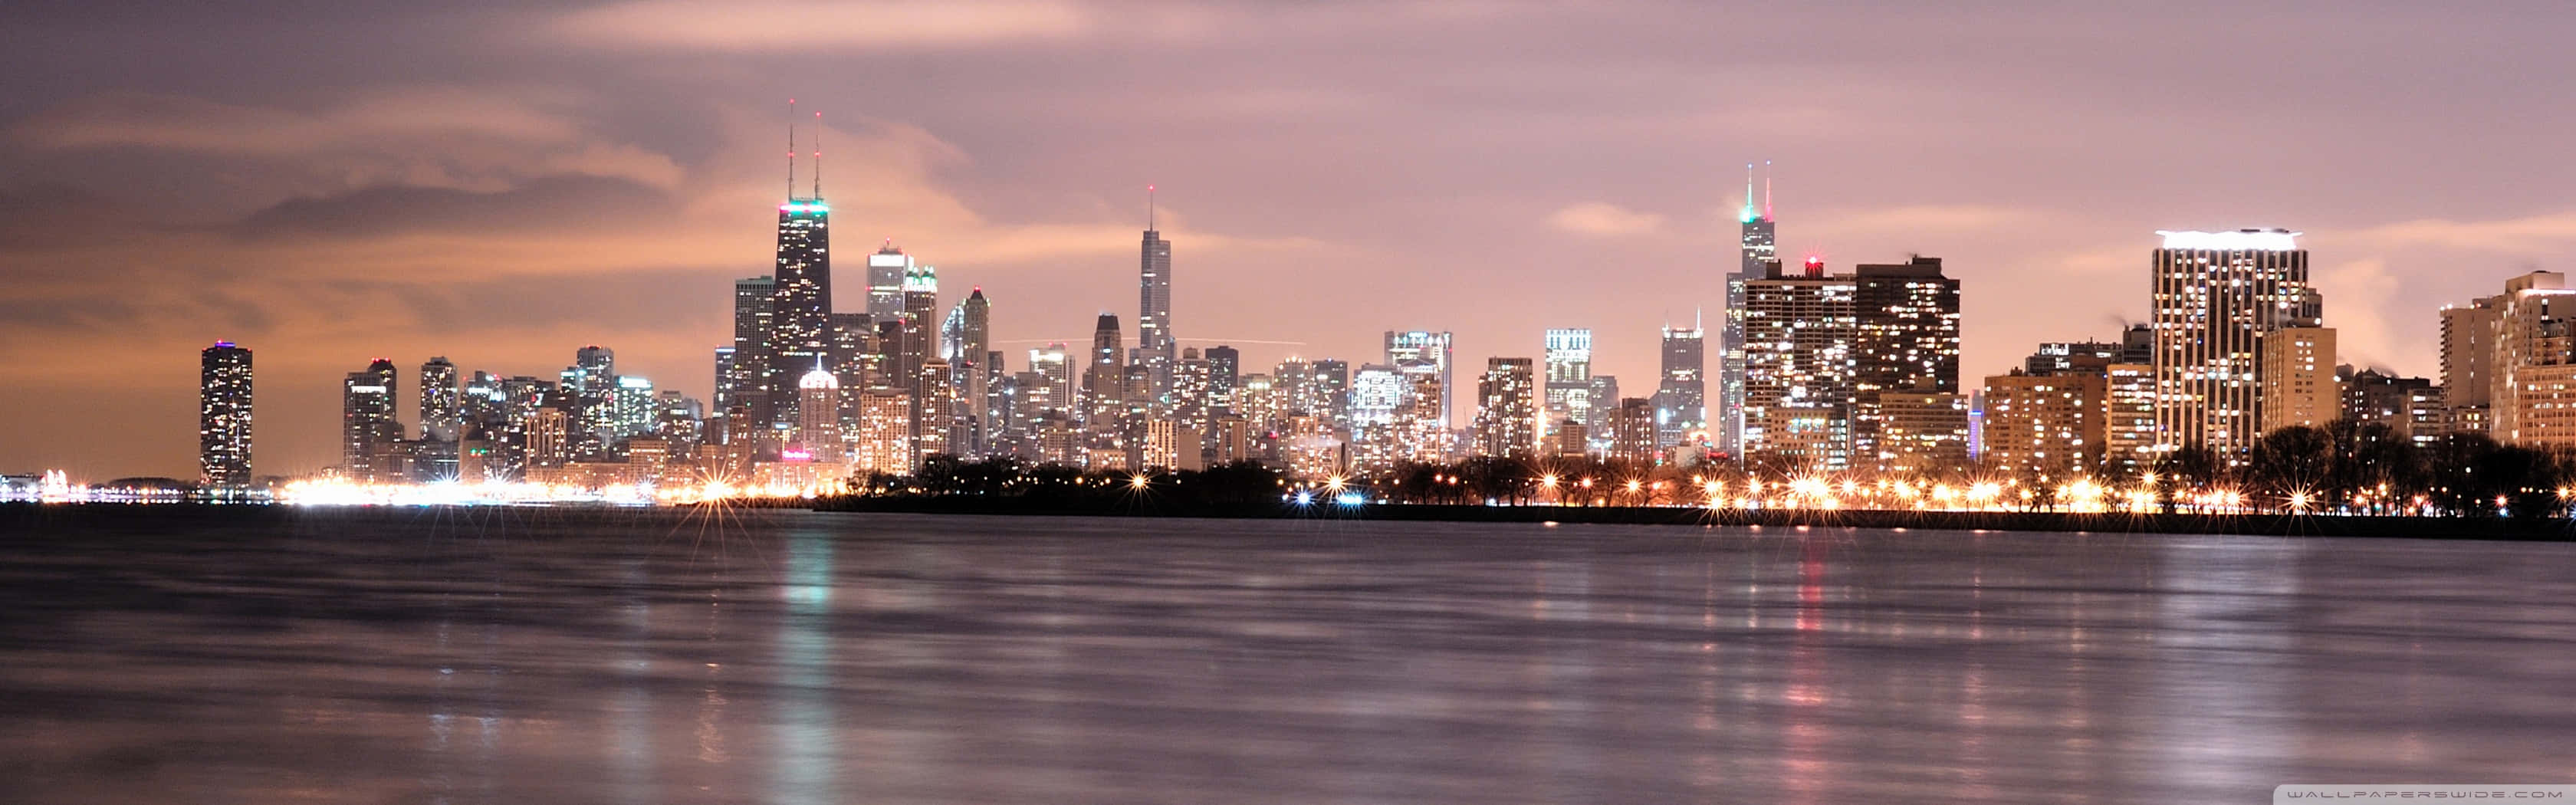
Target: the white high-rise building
(2216, 295)
(1569, 376)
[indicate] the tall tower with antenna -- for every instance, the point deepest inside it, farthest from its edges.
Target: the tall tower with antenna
(1155, 346)
(1758, 258)
(801, 312)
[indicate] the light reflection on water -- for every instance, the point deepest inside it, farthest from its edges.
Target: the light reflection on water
(790, 657)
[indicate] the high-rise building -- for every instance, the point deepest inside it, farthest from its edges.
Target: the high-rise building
(1507, 409)
(747, 379)
(886, 270)
(2298, 376)
(1225, 366)
(635, 411)
(1681, 393)
(1568, 392)
(818, 427)
(978, 367)
(223, 416)
(1422, 352)
(1758, 258)
(1799, 336)
(1170, 445)
(801, 307)
(2043, 426)
(2129, 418)
(1376, 390)
(1053, 391)
(2371, 396)
(2216, 295)
(941, 419)
(920, 312)
(1190, 402)
(1632, 431)
(1906, 338)
(592, 382)
(1922, 432)
(1421, 431)
(1604, 398)
(1104, 387)
(1154, 314)
(1326, 391)
(441, 409)
(368, 429)
(885, 431)
(2531, 392)
(2468, 361)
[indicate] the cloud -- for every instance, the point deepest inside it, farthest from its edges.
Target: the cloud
(2549, 234)
(725, 27)
(1605, 220)
(547, 203)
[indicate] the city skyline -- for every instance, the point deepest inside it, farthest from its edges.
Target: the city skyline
(329, 223)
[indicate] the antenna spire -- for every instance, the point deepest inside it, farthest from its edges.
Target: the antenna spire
(1766, 190)
(1149, 208)
(791, 149)
(818, 156)
(1748, 192)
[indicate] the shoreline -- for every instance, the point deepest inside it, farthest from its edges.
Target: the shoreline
(2252, 525)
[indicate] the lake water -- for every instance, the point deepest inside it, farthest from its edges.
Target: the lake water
(791, 657)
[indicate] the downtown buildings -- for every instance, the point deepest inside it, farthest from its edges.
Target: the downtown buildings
(224, 416)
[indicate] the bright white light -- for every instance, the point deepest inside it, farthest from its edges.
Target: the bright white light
(2266, 240)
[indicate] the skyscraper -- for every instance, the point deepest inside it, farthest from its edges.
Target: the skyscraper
(1798, 366)
(1758, 258)
(750, 379)
(801, 314)
(2531, 390)
(1569, 375)
(1632, 430)
(2298, 372)
(368, 429)
(1154, 300)
(1681, 398)
(1906, 338)
(1422, 352)
(2468, 361)
(886, 270)
(441, 410)
(1104, 386)
(1507, 409)
(978, 366)
(920, 312)
(2216, 295)
(818, 411)
(1225, 366)
(223, 416)
(592, 382)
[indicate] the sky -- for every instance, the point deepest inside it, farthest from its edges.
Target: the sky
(503, 183)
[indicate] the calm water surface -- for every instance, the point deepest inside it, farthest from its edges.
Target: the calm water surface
(792, 657)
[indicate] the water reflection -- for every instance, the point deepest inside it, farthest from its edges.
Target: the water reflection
(817, 658)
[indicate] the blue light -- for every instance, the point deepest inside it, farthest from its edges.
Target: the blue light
(1350, 499)
(1305, 497)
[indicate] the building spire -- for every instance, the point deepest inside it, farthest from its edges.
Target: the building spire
(791, 149)
(1766, 190)
(1149, 208)
(818, 156)
(1748, 193)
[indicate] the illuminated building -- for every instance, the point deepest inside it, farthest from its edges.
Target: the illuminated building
(224, 416)
(592, 382)
(1154, 341)
(2216, 295)
(746, 377)
(2043, 426)
(2061, 357)
(633, 411)
(441, 410)
(1422, 352)
(801, 311)
(2298, 376)
(1059, 440)
(940, 426)
(978, 367)
(1632, 431)
(2468, 361)
(1799, 334)
(1189, 395)
(1233, 440)
(368, 431)
(1922, 432)
(1104, 387)
(1507, 409)
(1257, 399)
(1602, 397)
(886, 271)
(1313, 451)
(920, 305)
(1051, 385)
(1759, 258)
(1327, 391)
(2129, 418)
(1376, 390)
(1225, 367)
(885, 432)
(1681, 393)
(2371, 396)
(1420, 426)
(1569, 439)
(2532, 393)
(548, 434)
(1170, 445)
(1569, 374)
(818, 407)
(1905, 321)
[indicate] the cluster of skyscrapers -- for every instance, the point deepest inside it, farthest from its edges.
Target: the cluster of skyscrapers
(1819, 371)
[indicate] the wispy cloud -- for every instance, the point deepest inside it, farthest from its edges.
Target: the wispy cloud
(1605, 220)
(767, 27)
